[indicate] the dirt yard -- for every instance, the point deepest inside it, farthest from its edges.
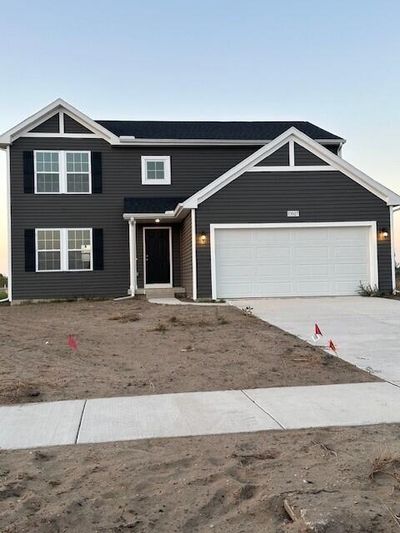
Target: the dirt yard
(341, 480)
(133, 347)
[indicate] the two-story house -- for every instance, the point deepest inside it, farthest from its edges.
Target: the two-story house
(106, 208)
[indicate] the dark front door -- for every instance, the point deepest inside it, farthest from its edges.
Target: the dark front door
(157, 258)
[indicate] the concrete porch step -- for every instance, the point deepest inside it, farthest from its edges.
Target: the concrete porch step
(164, 293)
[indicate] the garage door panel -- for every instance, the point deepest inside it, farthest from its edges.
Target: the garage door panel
(256, 262)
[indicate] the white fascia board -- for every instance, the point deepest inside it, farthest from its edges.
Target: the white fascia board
(336, 162)
(133, 141)
(47, 112)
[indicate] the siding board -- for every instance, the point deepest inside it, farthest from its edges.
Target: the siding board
(192, 168)
(186, 256)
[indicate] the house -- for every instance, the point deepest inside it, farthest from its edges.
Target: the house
(107, 208)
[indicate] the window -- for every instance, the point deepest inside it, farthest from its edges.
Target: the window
(64, 249)
(47, 172)
(48, 246)
(156, 170)
(62, 172)
(78, 175)
(79, 249)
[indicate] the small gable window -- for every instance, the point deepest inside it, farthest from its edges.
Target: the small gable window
(62, 172)
(156, 170)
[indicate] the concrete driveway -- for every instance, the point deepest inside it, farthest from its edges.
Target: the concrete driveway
(365, 330)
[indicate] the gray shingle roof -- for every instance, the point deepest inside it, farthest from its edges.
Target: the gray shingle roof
(151, 205)
(247, 131)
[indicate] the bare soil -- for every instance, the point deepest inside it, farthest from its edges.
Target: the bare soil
(334, 480)
(133, 347)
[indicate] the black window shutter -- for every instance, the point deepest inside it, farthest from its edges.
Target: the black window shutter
(30, 251)
(28, 173)
(97, 173)
(98, 253)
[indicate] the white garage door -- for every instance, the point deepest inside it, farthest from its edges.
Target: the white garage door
(302, 261)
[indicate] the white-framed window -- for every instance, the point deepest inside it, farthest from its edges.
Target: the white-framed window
(62, 172)
(156, 170)
(64, 249)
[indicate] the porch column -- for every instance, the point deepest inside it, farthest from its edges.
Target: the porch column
(132, 256)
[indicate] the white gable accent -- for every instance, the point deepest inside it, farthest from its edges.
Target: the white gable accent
(24, 128)
(335, 163)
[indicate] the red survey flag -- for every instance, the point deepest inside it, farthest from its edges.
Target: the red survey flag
(332, 346)
(317, 330)
(72, 342)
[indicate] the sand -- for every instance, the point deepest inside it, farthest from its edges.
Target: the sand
(132, 348)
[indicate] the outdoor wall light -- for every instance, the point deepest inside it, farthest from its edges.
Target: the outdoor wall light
(157, 221)
(383, 234)
(203, 238)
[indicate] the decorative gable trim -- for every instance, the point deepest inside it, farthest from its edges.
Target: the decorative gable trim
(333, 163)
(24, 129)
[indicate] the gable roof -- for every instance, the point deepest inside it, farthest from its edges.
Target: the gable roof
(137, 132)
(293, 135)
(47, 112)
(246, 131)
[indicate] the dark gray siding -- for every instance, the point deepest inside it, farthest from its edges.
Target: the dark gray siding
(303, 157)
(277, 159)
(72, 126)
(186, 256)
(266, 197)
(192, 169)
(48, 126)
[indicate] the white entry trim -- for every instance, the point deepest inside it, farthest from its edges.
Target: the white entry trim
(392, 251)
(194, 255)
(373, 248)
(157, 285)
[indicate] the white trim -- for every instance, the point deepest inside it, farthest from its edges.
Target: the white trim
(62, 135)
(314, 147)
(64, 249)
(166, 159)
(132, 257)
(373, 247)
(62, 171)
(392, 251)
(291, 153)
(194, 254)
(47, 112)
(61, 122)
(157, 285)
(133, 141)
(9, 247)
(305, 168)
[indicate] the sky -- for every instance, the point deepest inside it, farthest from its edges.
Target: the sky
(336, 65)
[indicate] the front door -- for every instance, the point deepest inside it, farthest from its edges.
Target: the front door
(157, 257)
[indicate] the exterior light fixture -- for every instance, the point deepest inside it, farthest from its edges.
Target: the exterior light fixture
(157, 221)
(383, 234)
(203, 238)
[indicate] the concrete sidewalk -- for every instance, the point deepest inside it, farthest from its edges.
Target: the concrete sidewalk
(197, 413)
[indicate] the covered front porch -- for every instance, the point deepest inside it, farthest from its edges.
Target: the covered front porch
(161, 247)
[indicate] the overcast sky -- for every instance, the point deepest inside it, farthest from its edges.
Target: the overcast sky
(334, 64)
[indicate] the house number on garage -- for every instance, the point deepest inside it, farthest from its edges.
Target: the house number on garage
(293, 213)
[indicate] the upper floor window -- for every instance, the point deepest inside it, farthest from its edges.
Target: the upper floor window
(62, 172)
(156, 170)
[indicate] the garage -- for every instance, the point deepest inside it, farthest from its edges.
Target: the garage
(286, 260)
